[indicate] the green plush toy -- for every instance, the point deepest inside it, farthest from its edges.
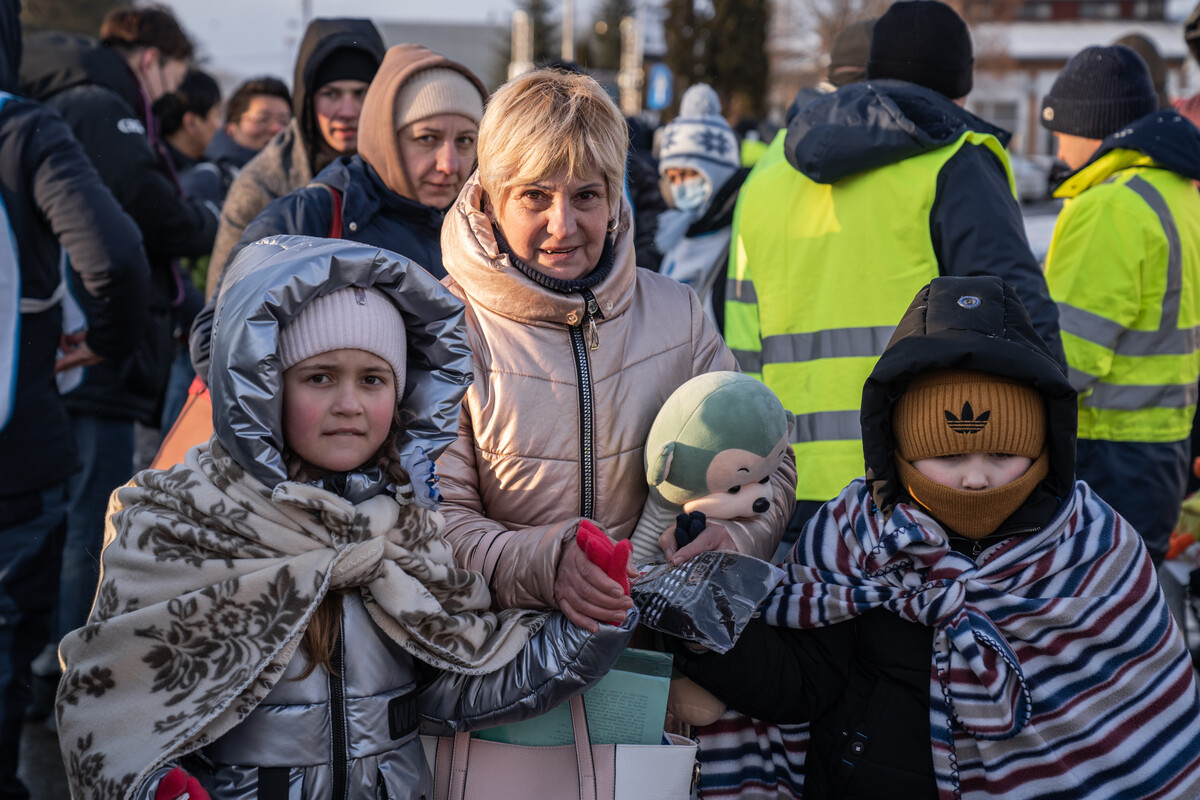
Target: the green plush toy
(712, 448)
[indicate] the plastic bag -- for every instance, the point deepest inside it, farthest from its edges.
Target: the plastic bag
(707, 600)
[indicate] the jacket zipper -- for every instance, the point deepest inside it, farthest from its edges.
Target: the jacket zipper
(337, 713)
(585, 338)
(979, 544)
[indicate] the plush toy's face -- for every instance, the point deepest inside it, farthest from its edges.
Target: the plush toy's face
(739, 483)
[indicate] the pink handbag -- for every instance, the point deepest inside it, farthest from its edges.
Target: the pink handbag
(473, 769)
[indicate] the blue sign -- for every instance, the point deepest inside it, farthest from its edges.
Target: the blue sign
(660, 87)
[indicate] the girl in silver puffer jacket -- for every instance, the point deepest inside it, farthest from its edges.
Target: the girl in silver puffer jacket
(279, 614)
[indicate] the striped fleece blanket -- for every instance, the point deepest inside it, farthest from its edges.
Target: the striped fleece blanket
(1056, 669)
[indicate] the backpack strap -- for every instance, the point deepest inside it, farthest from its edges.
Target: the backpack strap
(10, 309)
(335, 222)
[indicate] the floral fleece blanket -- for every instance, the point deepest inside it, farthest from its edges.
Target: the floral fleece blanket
(208, 581)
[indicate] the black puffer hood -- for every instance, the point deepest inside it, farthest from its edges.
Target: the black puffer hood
(268, 285)
(867, 125)
(321, 38)
(968, 323)
(1166, 136)
(55, 62)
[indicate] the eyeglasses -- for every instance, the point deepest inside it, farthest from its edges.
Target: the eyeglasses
(263, 120)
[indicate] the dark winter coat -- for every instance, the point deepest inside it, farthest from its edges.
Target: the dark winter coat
(210, 178)
(371, 213)
(868, 680)
(293, 157)
(53, 196)
(100, 98)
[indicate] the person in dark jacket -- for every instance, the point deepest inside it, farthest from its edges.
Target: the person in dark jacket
(967, 620)
(52, 198)
(257, 110)
(872, 191)
(336, 62)
(188, 118)
(417, 137)
(104, 90)
(1124, 268)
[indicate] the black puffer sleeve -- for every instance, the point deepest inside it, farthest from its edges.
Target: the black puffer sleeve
(774, 674)
(559, 661)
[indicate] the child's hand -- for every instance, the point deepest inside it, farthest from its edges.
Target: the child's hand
(714, 536)
(179, 785)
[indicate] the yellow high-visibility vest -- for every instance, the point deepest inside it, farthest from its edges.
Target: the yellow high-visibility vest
(1124, 269)
(819, 276)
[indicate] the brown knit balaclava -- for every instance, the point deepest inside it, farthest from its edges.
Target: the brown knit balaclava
(952, 411)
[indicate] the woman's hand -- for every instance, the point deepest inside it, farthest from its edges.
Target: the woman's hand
(714, 537)
(585, 594)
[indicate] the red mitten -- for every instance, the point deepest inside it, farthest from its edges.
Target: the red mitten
(179, 785)
(600, 550)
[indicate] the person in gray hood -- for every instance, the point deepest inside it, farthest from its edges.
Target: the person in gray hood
(236, 585)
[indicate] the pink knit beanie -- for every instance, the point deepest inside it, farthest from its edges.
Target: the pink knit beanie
(351, 318)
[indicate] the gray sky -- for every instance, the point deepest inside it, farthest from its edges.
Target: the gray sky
(260, 36)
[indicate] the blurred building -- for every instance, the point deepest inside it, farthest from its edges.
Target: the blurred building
(479, 46)
(1019, 49)
(1018, 59)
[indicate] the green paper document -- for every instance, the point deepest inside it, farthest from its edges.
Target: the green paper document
(627, 706)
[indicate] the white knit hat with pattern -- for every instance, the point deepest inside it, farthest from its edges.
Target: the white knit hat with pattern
(700, 138)
(352, 318)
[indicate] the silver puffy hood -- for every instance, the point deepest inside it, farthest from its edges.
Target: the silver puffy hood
(267, 286)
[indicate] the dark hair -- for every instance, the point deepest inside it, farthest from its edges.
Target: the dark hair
(239, 101)
(126, 28)
(197, 93)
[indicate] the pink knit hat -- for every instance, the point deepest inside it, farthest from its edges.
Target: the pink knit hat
(351, 318)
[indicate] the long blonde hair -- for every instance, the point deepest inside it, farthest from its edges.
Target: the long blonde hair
(325, 625)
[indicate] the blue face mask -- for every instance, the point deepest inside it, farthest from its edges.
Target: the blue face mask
(690, 194)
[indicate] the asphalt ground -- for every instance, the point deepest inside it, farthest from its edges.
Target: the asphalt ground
(41, 763)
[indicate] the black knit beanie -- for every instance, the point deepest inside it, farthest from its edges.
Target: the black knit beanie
(1100, 90)
(925, 42)
(345, 64)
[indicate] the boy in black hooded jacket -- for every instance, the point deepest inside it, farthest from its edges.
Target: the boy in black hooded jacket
(966, 620)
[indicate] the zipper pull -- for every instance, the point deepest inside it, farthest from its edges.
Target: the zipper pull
(976, 549)
(593, 308)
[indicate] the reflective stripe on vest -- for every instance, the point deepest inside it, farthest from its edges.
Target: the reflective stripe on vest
(819, 276)
(1127, 403)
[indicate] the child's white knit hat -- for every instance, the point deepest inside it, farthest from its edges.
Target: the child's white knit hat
(351, 318)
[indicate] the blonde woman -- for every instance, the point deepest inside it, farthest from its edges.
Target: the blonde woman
(575, 350)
